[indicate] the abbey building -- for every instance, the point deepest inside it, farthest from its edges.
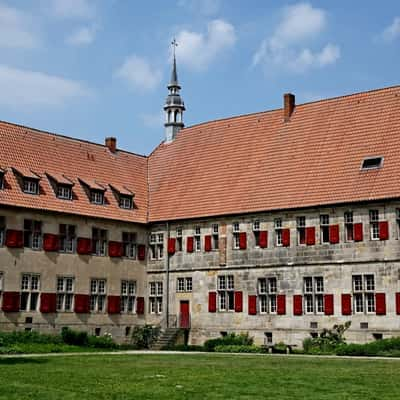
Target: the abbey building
(279, 223)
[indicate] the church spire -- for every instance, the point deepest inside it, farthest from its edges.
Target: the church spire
(174, 105)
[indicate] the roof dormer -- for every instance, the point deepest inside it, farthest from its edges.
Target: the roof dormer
(28, 180)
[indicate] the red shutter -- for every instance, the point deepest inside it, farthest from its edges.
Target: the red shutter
(252, 305)
(207, 243)
(14, 238)
(310, 235)
(398, 303)
(242, 241)
(212, 302)
(358, 232)
(189, 244)
(141, 252)
(171, 246)
(82, 304)
(84, 246)
(263, 239)
(50, 242)
(238, 301)
(48, 303)
(297, 304)
(329, 304)
(334, 234)
(346, 304)
(114, 249)
(383, 230)
(10, 302)
(281, 304)
(380, 300)
(114, 304)
(286, 237)
(140, 305)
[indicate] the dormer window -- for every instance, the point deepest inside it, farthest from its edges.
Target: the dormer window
(30, 186)
(96, 197)
(27, 179)
(125, 201)
(62, 185)
(123, 195)
(64, 192)
(372, 163)
(1, 179)
(94, 191)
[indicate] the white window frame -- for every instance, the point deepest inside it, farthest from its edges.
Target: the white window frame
(96, 197)
(301, 230)
(374, 224)
(98, 295)
(129, 241)
(364, 288)
(267, 294)
(215, 236)
(128, 296)
(349, 226)
(31, 186)
(125, 202)
(2, 230)
(278, 232)
(30, 288)
(35, 238)
(99, 241)
(197, 238)
(324, 221)
(179, 239)
(65, 293)
(67, 239)
(184, 284)
(64, 192)
(226, 293)
(156, 240)
(313, 290)
(156, 297)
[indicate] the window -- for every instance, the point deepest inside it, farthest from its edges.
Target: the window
(125, 202)
(226, 293)
(324, 224)
(313, 288)
(30, 286)
(156, 297)
(1, 179)
(128, 296)
(33, 234)
(65, 293)
(97, 295)
(2, 230)
(215, 236)
(129, 244)
(67, 238)
(197, 238)
(96, 197)
(267, 289)
(372, 163)
(30, 186)
(256, 232)
(398, 222)
(64, 192)
(99, 242)
(157, 246)
(1, 285)
(301, 230)
(364, 293)
(179, 239)
(236, 242)
(278, 231)
(348, 225)
(374, 224)
(184, 284)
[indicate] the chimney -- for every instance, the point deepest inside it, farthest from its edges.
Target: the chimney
(111, 143)
(288, 106)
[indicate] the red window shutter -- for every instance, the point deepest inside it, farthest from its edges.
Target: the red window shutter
(346, 304)
(82, 304)
(281, 304)
(334, 234)
(141, 252)
(10, 301)
(238, 301)
(50, 242)
(286, 237)
(297, 304)
(114, 249)
(171, 246)
(380, 299)
(252, 305)
(263, 239)
(140, 305)
(207, 243)
(242, 241)
(383, 230)
(84, 246)
(189, 244)
(212, 302)
(358, 232)
(48, 303)
(398, 303)
(114, 304)
(310, 235)
(329, 304)
(14, 238)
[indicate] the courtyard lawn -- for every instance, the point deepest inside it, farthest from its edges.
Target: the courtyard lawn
(197, 376)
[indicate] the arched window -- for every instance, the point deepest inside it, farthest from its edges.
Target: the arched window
(169, 116)
(175, 115)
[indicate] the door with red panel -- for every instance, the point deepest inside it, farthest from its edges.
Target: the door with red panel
(184, 314)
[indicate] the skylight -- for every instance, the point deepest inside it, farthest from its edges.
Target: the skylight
(372, 163)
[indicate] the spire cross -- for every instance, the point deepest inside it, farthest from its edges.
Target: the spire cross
(174, 45)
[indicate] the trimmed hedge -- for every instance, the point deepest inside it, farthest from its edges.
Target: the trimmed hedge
(229, 340)
(383, 347)
(239, 349)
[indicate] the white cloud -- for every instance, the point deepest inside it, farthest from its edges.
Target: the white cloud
(205, 7)
(72, 8)
(198, 50)
(288, 47)
(392, 31)
(28, 88)
(16, 29)
(139, 74)
(82, 36)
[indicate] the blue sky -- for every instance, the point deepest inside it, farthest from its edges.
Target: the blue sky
(90, 69)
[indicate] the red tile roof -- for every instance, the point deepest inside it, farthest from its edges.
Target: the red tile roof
(236, 165)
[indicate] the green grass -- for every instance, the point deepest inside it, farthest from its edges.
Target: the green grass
(199, 376)
(43, 348)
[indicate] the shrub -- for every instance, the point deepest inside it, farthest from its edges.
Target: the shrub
(144, 336)
(10, 338)
(77, 338)
(238, 349)
(101, 342)
(184, 347)
(232, 339)
(279, 348)
(384, 347)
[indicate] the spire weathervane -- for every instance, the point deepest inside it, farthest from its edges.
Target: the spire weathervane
(174, 45)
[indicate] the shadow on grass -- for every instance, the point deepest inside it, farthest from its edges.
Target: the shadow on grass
(17, 360)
